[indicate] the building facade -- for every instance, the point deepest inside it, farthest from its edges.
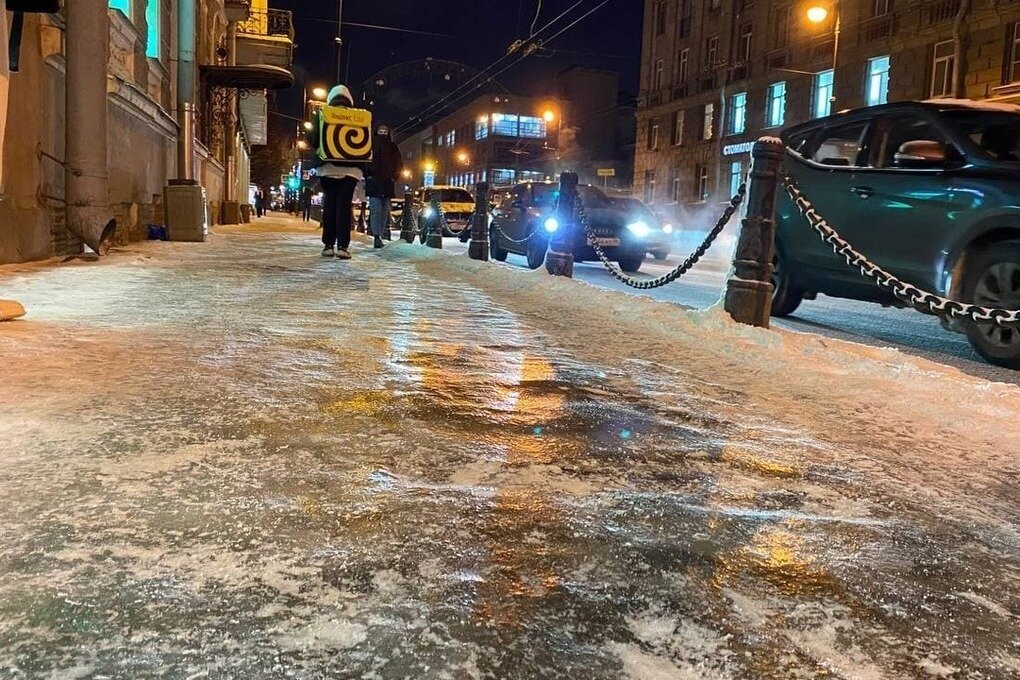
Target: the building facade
(718, 74)
(504, 139)
(141, 123)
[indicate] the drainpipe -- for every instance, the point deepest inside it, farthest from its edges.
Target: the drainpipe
(960, 50)
(86, 174)
(231, 131)
(186, 91)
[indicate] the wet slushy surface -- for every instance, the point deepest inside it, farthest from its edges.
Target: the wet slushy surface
(239, 460)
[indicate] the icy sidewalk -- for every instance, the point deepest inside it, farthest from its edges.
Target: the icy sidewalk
(240, 460)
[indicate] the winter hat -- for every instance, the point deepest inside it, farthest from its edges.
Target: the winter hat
(340, 95)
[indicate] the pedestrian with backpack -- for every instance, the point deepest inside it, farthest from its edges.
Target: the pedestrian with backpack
(380, 183)
(342, 137)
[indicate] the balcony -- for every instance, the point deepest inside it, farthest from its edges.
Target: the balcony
(878, 28)
(267, 37)
(939, 11)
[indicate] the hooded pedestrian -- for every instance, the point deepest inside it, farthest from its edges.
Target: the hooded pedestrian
(380, 183)
(339, 181)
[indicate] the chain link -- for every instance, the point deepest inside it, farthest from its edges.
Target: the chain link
(682, 268)
(922, 301)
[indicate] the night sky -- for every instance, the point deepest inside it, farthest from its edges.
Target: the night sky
(479, 32)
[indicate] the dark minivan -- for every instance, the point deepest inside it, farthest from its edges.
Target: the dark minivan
(930, 191)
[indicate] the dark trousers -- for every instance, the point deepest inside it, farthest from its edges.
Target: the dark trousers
(337, 211)
(306, 212)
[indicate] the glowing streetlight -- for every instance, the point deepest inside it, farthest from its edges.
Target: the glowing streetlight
(428, 166)
(463, 158)
(549, 115)
(308, 125)
(319, 93)
(817, 14)
(406, 174)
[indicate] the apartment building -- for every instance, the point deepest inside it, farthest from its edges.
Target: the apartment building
(718, 74)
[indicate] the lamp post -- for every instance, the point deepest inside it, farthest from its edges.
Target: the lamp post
(817, 14)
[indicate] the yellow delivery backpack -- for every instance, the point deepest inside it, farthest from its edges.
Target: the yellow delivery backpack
(345, 134)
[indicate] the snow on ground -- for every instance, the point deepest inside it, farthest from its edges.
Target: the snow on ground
(237, 459)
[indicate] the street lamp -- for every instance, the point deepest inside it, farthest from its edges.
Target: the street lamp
(308, 125)
(817, 14)
(463, 158)
(549, 115)
(428, 166)
(319, 93)
(406, 174)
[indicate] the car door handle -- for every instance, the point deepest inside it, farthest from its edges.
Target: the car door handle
(862, 192)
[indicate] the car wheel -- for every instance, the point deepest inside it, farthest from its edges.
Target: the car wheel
(992, 279)
(632, 263)
(786, 295)
(496, 252)
(536, 251)
(660, 254)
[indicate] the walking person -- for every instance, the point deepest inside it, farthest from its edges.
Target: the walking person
(339, 180)
(306, 204)
(380, 183)
(260, 203)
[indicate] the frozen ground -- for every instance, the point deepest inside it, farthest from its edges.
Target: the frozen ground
(239, 460)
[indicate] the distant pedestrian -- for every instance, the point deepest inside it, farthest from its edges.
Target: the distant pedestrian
(260, 203)
(380, 183)
(306, 204)
(339, 180)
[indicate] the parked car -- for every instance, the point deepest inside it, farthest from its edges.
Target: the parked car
(930, 191)
(660, 239)
(529, 210)
(457, 204)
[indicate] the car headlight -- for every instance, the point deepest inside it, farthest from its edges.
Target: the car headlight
(639, 229)
(667, 229)
(429, 212)
(551, 224)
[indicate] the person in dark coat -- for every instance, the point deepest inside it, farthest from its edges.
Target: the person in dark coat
(306, 203)
(380, 183)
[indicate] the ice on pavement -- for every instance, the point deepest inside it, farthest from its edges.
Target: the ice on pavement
(238, 459)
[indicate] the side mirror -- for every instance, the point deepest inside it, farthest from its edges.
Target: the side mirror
(921, 154)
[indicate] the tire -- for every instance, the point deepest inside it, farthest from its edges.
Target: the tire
(786, 295)
(992, 279)
(496, 252)
(631, 263)
(536, 251)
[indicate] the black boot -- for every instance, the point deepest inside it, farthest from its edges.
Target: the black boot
(378, 242)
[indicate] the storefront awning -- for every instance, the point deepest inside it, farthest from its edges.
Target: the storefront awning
(248, 77)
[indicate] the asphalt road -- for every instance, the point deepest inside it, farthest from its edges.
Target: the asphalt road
(865, 323)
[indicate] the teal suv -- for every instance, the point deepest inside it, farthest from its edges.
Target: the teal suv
(929, 191)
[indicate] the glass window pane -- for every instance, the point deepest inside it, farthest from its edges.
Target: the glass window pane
(123, 5)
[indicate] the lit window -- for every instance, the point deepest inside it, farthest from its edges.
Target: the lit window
(736, 177)
(533, 127)
(708, 123)
(653, 134)
(152, 38)
(775, 114)
(482, 128)
(123, 5)
(943, 65)
(878, 81)
(502, 176)
(505, 124)
(738, 113)
(823, 93)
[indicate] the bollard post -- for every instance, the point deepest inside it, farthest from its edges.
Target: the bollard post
(435, 224)
(407, 219)
(479, 247)
(361, 219)
(749, 289)
(559, 260)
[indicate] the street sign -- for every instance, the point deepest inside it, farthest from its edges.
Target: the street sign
(606, 172)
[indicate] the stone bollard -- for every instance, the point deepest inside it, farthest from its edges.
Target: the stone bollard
(435, 224)
(479, 247)
(407, 219)
(749, 289)
(361, 219)
(11, 309)
(559, 260)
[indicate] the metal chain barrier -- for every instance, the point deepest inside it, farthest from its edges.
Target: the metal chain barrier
(922, 301)
(506, 237)
(682, 268)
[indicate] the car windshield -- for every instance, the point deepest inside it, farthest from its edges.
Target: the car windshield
(996, 134)
(637, 210)
(547, 194)
(451, 195)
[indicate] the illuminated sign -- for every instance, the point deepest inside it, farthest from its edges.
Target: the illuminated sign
(734, 149)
